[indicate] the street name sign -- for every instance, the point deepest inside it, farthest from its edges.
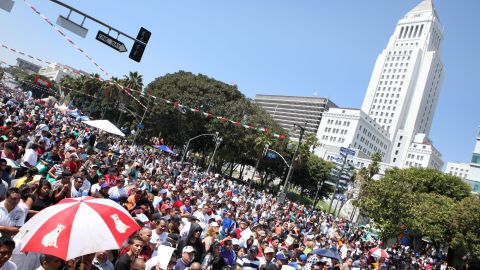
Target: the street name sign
(111, 42)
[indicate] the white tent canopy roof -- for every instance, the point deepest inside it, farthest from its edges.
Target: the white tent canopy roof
(105, 125)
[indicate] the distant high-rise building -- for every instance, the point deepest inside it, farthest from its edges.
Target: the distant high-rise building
(28, 66)
(405, 84)
(473, 177)
(289, 110)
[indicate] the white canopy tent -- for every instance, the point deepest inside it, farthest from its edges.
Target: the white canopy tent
(105, 125)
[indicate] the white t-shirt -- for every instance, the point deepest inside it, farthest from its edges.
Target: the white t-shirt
(16, 217)
(9, 266)
(95, 188)
(158, 238)
(30, 156)
(116, 193)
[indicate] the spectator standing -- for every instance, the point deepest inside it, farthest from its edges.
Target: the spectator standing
(125, 260)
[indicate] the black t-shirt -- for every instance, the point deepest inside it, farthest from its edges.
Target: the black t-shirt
(39, 204)
(273, 266)
(123, 262)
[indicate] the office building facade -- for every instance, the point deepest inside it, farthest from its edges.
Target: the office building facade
(289, 110)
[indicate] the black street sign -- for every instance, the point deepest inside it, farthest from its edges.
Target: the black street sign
(111, 42)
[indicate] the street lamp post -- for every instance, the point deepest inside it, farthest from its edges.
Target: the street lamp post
(188, 144)
(218, 141)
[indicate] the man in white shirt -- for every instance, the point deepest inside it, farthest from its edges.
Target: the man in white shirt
(118, 192)
(29, 160)
(159, 235)
(77, 188)
(12, 216)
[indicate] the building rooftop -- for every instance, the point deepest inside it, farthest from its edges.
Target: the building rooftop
(425, 5)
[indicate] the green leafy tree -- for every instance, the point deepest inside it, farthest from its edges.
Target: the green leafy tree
(318, 171)
(133, 80)
(263, 140)
(465, 221)
(176, 124)
(401, 197)
(365, 175)
(430, 216)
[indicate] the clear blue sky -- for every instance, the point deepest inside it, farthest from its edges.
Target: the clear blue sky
(281, 47)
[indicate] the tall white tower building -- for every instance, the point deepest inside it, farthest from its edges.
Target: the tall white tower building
(403, 91)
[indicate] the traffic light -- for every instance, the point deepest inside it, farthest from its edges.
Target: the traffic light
(138, 48)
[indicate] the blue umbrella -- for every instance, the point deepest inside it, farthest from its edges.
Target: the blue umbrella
(328, 253)
(165, 148)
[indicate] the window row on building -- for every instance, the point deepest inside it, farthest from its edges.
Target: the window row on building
(412, 31)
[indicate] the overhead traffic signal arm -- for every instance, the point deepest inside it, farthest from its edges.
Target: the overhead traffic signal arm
(140, 44)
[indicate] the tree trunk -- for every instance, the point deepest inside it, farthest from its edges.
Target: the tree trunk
(232, 169)
(341, 206)
(242, 168)
(265, 177)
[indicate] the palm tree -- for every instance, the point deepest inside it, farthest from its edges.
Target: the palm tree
(262, 142)
(366, 174)
(133, 81)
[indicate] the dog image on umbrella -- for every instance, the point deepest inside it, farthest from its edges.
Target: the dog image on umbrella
(50, 239)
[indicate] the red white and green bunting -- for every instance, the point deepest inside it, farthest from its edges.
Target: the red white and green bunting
(176, 104)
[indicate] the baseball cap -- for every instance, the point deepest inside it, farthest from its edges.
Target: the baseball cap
(269, 250)
(163, 191)
(302, 257)
(280, 256)
(293, 264)
(105, 185)
(214, 224)
(165, 206)
(188, 249)
(172, 237)
(253, 249)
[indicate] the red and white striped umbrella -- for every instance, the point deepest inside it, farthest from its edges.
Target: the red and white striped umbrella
(379, 253)
(77, 226)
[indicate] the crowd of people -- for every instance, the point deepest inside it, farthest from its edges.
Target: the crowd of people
(211, 222)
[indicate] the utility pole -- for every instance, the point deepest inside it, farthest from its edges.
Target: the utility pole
(290, 170)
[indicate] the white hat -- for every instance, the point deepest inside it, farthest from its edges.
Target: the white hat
(214, 224)
(269, 250)
(188, 249)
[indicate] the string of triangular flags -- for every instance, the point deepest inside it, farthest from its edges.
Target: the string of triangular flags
(176, 104)
(65, 68)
